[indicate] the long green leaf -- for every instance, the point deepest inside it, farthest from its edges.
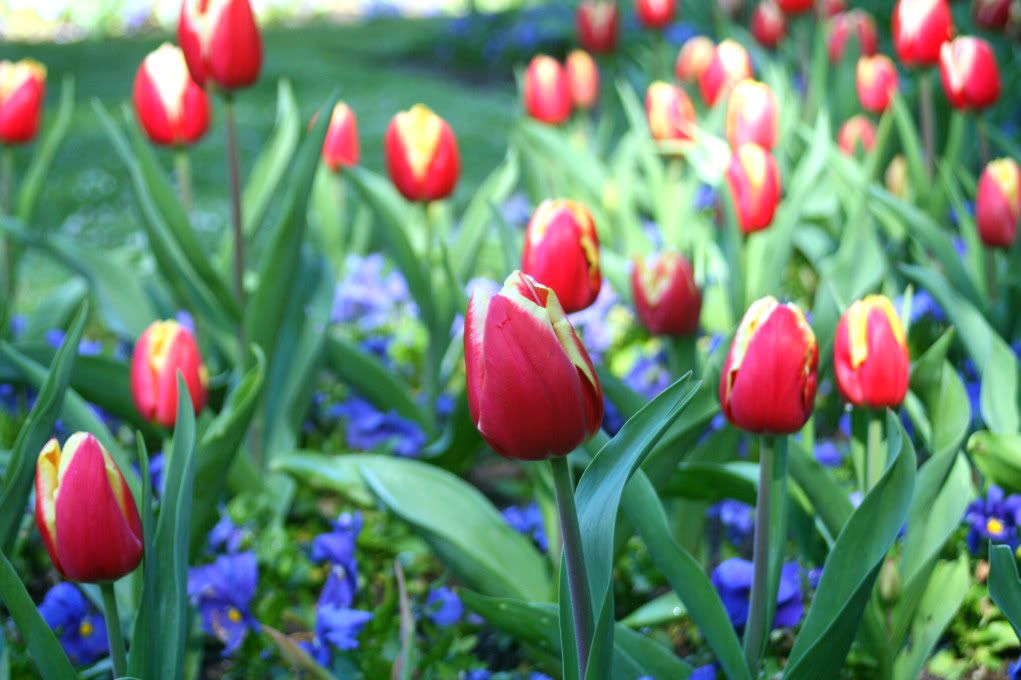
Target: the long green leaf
(271, 166)
(1004, 584)
(42, 156)
(367, 375)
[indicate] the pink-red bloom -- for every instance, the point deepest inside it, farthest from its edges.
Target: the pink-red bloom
(729, 66)
(655, 13)
(991, 14)
(165, 349)
(920, 27)
(547, 90)
(870, 354)
(22, 90)
(670, 112)
(971, 78)
(694, 58)
(769, 25)
(667, 298)
(340, 147)
(221, 42)
(562, 251)
(583, 78)
(998, 203)
(598, 25)
(754, 183)
(421, 155)
(796, 6)
(171, 108)
(844, 25)
(752, 115)
(857, 132)
(876, 80)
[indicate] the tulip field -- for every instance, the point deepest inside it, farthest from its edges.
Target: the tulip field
(510, 340)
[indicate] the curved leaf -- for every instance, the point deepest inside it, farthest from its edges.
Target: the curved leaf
(1004, 584)
(49, 657)
(42, 155)
(271, 166)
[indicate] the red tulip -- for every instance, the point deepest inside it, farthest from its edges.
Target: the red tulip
(694, 58)
(421, 155)
(841, 27)
(547, 90)
(796, 6)
(597, 25)
(532, 390)
(769, 376)
(920, 27)
(562, 251)
(583, 78)
(857, 132)
(171, 108)
(752, 115)
(998, 203)
(970, 76)
(655, 13)
(876, 78)
(870, 354)
(991, 14)
(667, 298)
(85, 511)
(221, 42)
(22, 90)
(670, 112)
(340, 148)
(754, 183)
(769, 25)
(729, 66)
(833, 7)
(164, 349)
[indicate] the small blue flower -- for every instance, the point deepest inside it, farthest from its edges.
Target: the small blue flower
(81, 629)
(368, 428)
(737, 518)
(680, 33)
(648, 376)
(704, 673)
(477, 674)
(993, 518)
(18, 323)
(226, 535)
(186, 320)
(368, 296)
(828, 454)
(527, 519)
(337, 627)
(222, 592)
(444, 607)
(593, 324)
(705, 197)
(733, 581)
(1014, 671)
(337, 548)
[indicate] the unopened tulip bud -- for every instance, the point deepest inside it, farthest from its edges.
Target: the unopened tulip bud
(897, 176)
(796, 6)
(752, 115)
(971, 78)
(597, 24)
(547, 91)
(670, 112)
(991, 14)
(876, 80)
(421, 155)
(845, 25)
(655, 14)
(889, 582)
(667, 298)
(754, 183)
(998, 203)
(171, 108)
(833, 7)
(22, 90)
(562, 251)
(920, 27)
(729, 66)
(340, 148)
(694, 58)
(583, 79)
(857, 133)
(769, 25)
(164, 350)
(221, 42)
(870, 354)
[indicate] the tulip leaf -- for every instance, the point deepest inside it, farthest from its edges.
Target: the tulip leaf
(853, 564)
(998, 457)
(38, 428)
(947, 407)
(271, 166)
(909, 139)
(828, 499)
(42, 155)
(477, 216)
(1004, 584)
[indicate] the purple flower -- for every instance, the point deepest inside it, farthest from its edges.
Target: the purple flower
(648, 376)
(337, 548)
(733, 581)
(705, 197)
(223, 592)
(225, 535)
(368, 428)
(336, 627)
(368, 296)
(593, 323)
(828, 454)
(922, 305)
(737, 518)
(81, 629)
(1014, 670)
(185, 319)
(704, 673)
(444, 607)
(994, 518)
(527, 519)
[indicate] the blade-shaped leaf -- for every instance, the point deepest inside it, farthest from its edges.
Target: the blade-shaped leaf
(1004, 584)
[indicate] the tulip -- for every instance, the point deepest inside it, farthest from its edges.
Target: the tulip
(754, 183)
(970, 76)
(547, 90)
(655, 14)
(998, 203)
(694, 58)
(729, 66)
(769, 376)
(670, 112)
(583, 79)
(870, 354)
(752, 115)
(421, 155)
(991, 14)
(221, 42)
(562, 251)
(841, 27)
(85, 511)
(730, 8)
(597, 25)
(876, 78)
(667, 298)
(857, 131)
(796, 6)
(833, 7)
(769, 25)
(340, 148)
(171, 108)
(532, 390)
(896, 176)
(164, 350)
(22, 90)
(920, 27)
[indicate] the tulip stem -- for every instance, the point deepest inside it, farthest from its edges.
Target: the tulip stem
(6, 256)
(113, 630)
(577, 577)
(926, 114)
(991, 277)
(235, 204)
(182, 167)
(875, 462)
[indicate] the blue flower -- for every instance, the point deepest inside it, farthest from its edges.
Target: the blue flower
(593, 323)
(1014, 670)
(737, 518)
(828, 454)
(337, 548)
(922, 305)
(704, 673)
(368, 428)
(225, 535)
(648, 376)
(477, 674)
(81, 629)
(368, 296)
(527, 519)
(705, 197)
(18, 323)
(186, 320)
(733, 581)
(613, 419)
(444, 607)
(337, 627)
(994, 518)
(679, 33)
(223, 592)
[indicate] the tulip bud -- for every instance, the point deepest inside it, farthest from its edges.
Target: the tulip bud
(562, 251)
(730, 8)
(897, 176)
(842, 25)
(833, 7)
(22, 90)
(655, 14)
(729, 66)
(970, 76)
(421, 155)
(769, 25)
(667, 298)
(583, 79)
(547, 90)
(889, 582)
(164, 349)
(857, 132)
(754, 183)
(597, 25)
(796, 6)
(876, 78)
(171, 108)
(670, 112)
(870, 354)
(221, 42)
(85, 511)
(694, 58)
(532, 390)
(991, 14)
(769, 376)
(340, 148)
(752, 115)
(920, 27)
(998, 203)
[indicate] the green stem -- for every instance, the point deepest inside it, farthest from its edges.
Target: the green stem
(983, 140)
(182, 167)
(991, 278)
(434, 352)
(926, 114)
(233, 169)
(577, 577)
(113, 630)
(6, 254)
(875, 464)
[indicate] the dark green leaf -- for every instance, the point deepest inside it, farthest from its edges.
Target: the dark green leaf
(1004, 584)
